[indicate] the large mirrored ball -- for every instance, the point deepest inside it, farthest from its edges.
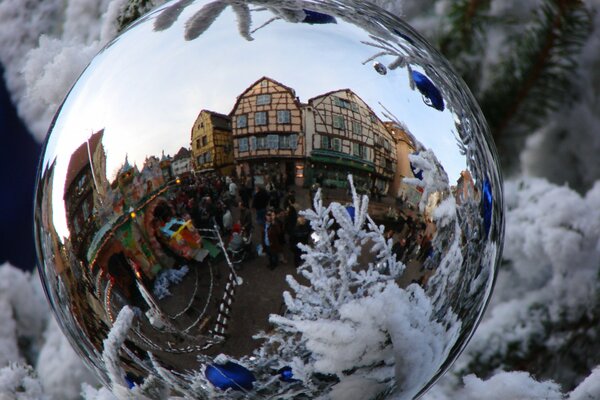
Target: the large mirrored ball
(269, 200)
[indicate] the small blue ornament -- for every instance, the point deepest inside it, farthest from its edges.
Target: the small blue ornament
(417, 172)
(428, 90)
(313, 17)
(487, 200)
(230, 376)
(286, 375)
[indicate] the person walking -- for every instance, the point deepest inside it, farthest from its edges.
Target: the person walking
(245, 217)
(300, 234)
(271, 239)
(259, 203)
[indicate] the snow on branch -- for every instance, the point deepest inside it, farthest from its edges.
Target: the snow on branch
(112, 345)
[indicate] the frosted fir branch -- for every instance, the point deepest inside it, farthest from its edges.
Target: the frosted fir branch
(435, 179)
(112, 344)
(172, 381)
(203, 19)
(244, 20)
(167, 17)
(20, 382)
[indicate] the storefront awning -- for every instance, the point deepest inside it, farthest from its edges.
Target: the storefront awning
(335, 158)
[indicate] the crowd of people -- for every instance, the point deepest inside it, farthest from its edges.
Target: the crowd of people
(263, 219)
(252, 218)
(412, 239)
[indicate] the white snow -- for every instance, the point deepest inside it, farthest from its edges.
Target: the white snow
(166, 278)
(552, 232)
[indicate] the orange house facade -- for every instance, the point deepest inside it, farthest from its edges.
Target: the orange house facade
(268, 136)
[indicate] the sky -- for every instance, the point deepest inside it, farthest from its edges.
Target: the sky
(147, 87)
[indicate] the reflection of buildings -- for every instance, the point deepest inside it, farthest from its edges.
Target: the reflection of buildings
(465, 189)
(86, 192)
(267, 132)
(344, 135)
(404, 147)
(165, 167)
(182, 162)
(334, 134)
(84, 184)
(212, 143)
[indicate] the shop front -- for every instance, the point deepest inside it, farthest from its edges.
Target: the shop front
(330, 170)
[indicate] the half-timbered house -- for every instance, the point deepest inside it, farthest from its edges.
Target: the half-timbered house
(268, 140)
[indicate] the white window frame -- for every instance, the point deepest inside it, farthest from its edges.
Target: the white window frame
(261, 121)
(261, 143)
(338, 121)
(336, 144)
(240, 118)
(273, 142)
(263, 99)
(293, 141)
(243, 144)
(284, 116)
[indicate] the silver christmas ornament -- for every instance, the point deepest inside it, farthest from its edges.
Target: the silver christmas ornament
(171, 235)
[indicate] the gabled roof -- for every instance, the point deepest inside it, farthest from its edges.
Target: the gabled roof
(214, 114)
(242, 95)
(347, 91)
(80, 157)
(181, 154)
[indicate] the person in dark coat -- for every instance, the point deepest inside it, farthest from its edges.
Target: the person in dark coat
(245, 217)
(300, 234)
(291, 216)
(260, 201)
(271, 234)
(399, 249)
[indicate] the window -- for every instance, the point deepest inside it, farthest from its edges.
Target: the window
(356, 149)
(204, 140)
(373, 118)
(325, 142)
(273, 142)
(243, 144)
(252, 143)
(263, 99)
(356, 128)
(197, 143)
(261, 143)
(200, 159)
(264, 83)
(364, 152)
(293, 141)
(344, 103)
(242, 121)
(336, 144)
(260, 118)
(283, 116)
(338, 121)
(284, 142)
(208, 156)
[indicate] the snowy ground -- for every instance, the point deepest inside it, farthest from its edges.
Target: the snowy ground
(552, 244)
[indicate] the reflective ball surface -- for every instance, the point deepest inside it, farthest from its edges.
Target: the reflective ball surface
(269, 200)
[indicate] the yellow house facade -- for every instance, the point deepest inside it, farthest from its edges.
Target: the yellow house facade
(212, 143)
(404, 146)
